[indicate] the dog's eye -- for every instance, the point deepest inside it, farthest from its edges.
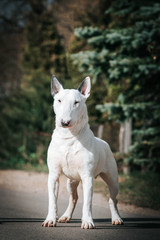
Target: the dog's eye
(76, 102)
(59, 100)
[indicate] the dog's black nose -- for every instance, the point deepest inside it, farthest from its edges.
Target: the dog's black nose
(65, 123)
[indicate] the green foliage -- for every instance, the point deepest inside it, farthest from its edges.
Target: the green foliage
(27, 116)
(127, 55)
(43, 49)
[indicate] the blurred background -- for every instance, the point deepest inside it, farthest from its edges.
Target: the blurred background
(116, 43)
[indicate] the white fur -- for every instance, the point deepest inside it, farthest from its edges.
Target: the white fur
(79, 155)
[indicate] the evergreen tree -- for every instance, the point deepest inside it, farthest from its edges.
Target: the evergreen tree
(92, 16)
(127, 53)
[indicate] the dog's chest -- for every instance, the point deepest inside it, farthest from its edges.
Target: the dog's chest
(70, 165)
(70, 156)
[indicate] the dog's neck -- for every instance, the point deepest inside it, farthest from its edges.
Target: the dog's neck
(76, 130)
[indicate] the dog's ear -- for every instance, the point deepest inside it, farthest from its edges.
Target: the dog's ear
(55, 86)
(85, 87)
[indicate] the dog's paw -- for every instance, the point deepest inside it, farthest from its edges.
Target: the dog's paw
(49, 223)
(117, 221)
(64, 219)
(87, 224)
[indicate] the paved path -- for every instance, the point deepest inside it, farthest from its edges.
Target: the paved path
(21, 214)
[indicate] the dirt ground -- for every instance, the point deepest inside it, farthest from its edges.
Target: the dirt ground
(24, 181)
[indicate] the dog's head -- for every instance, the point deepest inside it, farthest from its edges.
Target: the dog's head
(69, 104)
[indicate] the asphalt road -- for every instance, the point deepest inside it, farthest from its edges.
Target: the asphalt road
(21, 215)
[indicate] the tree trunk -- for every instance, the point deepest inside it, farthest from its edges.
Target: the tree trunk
(121, 138)
(100, 131)
(128, 135)
(125, 139)
(125, 134)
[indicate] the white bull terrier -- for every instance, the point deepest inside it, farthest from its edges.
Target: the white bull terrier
(79, 155)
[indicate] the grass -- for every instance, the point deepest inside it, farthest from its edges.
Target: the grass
(27, 167)
(35, 168)
(137, 189)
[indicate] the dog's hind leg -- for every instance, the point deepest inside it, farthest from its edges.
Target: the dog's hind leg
(112, 182)
(72, 189)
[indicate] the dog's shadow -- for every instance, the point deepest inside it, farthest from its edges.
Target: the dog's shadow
(129, 223)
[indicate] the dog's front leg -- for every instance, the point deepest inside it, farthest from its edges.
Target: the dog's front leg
(87, 221)
(53, 185)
